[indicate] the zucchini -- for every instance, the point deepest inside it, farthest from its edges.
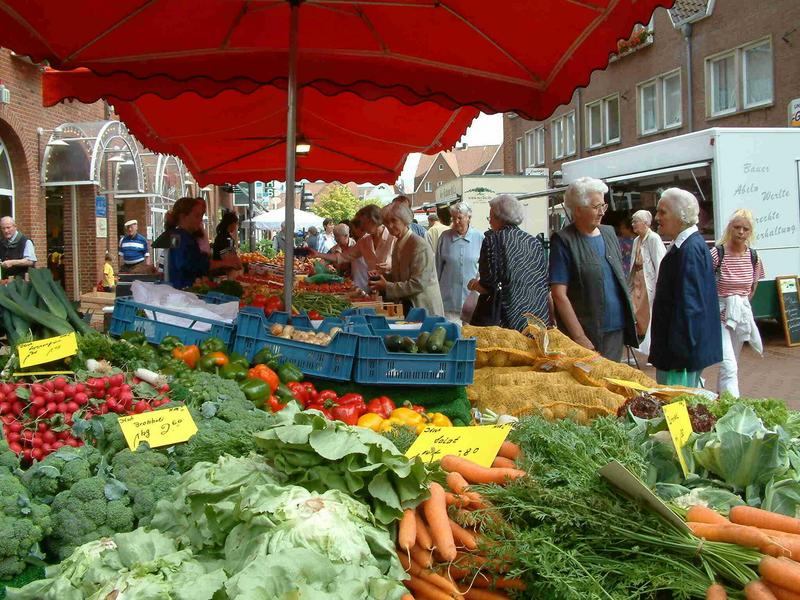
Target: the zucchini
(31, 313)
(407, 345)
(422, 340)
(448, 345)
(437, 339)
(72, 315)
(392, 343)
(40, 279)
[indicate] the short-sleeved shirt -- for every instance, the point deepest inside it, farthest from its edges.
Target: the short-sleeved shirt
(560, 261)
(456, 263)
(133, 250)
(374, 250)
(737, 275)
(186, 261)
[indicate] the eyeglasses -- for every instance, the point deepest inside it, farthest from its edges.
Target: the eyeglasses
(601, 208)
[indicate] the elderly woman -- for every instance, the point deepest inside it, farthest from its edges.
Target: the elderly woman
(512, 270)
(587, 281)
(457, 253)
(738, 269)
(648, 250)
(412, 279)
(685, 325)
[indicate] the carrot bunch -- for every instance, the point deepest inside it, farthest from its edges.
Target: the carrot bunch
(443, 557)
(775, 535)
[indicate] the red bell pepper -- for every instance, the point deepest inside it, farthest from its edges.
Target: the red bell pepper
(315, 316)
(311, 391)
(347, 413)
(322, 409)
(382, 405)
(356, 400)
(259, 301)
(275, 405)
(415, 407)
(299, 392)
(325, 395)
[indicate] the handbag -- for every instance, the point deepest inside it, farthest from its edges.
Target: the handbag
(489, 307)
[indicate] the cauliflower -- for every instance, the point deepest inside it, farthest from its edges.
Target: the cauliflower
(23, 524)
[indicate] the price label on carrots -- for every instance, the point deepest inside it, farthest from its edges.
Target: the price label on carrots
(479, 443)
(158, 428)
(680, 428)
(45, 351)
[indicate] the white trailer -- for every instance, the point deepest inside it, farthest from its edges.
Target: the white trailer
(727, 169)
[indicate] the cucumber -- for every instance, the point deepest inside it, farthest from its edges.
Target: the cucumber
(407, 344)
(437, 339)
(392, 343)
(422, 340)
(448, 345)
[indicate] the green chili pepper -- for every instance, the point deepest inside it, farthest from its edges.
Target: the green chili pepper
(288, 372)
(256, 390)
(213, 344)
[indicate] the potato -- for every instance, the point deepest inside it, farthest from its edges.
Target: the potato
(276, 329)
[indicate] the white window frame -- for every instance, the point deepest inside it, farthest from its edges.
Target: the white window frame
(540, 145)
(589, 125)
(606, 102)
(570, 140)
(441, 166)
(563, 144)
(713, 112)
(676, 73)
(740, 79)
(743, 78)
(519, 148)
(530, 148)
(557, 137)
(604, 105)
(428, 186)
(658, 84)
(8, 191)
(653, 83)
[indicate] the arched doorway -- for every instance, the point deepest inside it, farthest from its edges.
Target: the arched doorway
(6, 183)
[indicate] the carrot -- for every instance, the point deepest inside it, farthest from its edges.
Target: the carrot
(716, 592)
(421, 556)
(407, 530)
(782, 572)
(415, 570)
(757, 590)
(476, 500)
(407, 597)
(781, 593)
(702, 514)
(479, 594)
(435, 509)
(463, 536)
(476, 474)
(456, 482)
(503, 463)
(426, 589)
(424, 539)
(457, 500)
(510, 450)
(782, 544)
(749, 537)
(500, 583)
(764, 519)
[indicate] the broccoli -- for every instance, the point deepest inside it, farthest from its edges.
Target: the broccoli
(103, 432)
(60, 470)
(194, 388)
(84, 513)
(8, 459)
(148, 477)
(23, 524)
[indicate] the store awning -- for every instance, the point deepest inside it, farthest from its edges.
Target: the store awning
(548, 192)
(654, 172)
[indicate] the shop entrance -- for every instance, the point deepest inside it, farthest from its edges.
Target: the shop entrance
(54, 222)
(6, 184)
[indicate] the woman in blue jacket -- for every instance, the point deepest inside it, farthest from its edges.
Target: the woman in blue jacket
(685, 325)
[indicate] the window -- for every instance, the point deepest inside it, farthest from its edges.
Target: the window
(660, 103)
(6, 184)
(557, 131)
(740, 79)
(428, 186)
(441, 167)
(569, 134)
(439, 183)
(563, 133)
(539, 131)
(530, 149)
(602, 122)
(520, 158)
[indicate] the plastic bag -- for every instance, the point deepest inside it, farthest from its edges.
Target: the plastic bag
(165, 296)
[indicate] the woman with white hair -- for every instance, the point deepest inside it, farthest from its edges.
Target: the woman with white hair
(412, 279)
(685, 329)
(457, 253)
(648, 250)
(738, 269)
(589, 287)
(512, 270)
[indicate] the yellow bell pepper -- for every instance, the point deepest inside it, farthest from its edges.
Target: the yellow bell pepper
(389, 424)
(439, 420)
(407, 416)
(370, 421)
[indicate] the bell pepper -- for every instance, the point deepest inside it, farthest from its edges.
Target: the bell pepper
(321, 408)
(285, 395)
(328, 395)
(370, 420)
(439, 420)
(188, 354)
(212, 344)
(311, 391)
(275, 404)
(256, 390)
(137, 338)
(315, 316)
(356, 400)
(347, 413)
(415, 407)
(259, 301)
(266, 356)
(233, 371)
(211, 362)
(407, 416)
(169, 343)
(234, 358)
(267, 374)
(288, 372)
(382, 405)
(389, 424)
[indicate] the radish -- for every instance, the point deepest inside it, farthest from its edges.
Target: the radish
(151, 377)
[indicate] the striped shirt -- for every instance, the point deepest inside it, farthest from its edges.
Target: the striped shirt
(737, 276)
(133, 250)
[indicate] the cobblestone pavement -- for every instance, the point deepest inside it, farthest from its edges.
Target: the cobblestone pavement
(775, 375)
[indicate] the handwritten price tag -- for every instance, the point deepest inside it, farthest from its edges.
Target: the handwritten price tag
(44, 351)
(479, 443)
(158, 428)
(680, 428)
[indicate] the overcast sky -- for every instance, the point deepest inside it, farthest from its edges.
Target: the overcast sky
(486, 129)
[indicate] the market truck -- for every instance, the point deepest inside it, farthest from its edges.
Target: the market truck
(727, 169)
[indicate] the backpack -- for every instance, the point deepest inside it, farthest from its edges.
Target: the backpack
(721, 254)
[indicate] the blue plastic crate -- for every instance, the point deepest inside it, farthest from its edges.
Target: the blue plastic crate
(376, 365)
(334, 361)
(126, 318)
(351, 324)
(380, 325)
(218, 298)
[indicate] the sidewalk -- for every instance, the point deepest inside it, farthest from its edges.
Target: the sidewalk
(776, 375)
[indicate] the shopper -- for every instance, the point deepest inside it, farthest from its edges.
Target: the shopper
(437, 226)
(412, 279)
(589, 288)
(279, 241)
(512, 270)
(685, 329)
(415, 227)
(341, 234)
(327, 239)
(312, 239)
(625, 236)
(17, 253)
(647, 252)
(738, 268)
(133, 251)
(359, 270)
(109, 279)
(457, 254)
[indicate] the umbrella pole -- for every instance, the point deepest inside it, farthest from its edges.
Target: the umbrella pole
(291, 135)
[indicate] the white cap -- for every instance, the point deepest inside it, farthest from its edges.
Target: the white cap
(131, 222)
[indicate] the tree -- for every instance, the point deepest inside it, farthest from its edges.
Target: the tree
(337, 203)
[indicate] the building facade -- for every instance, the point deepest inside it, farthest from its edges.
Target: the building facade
(433, 171)
(701, 64)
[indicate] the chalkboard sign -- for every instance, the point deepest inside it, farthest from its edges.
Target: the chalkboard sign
(789, 298)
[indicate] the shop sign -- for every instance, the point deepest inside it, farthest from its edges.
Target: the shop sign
(537, 172)
(158, 428)
(479, 443)
(47, 350)
(100, 206)
(794, 113)
(680, 428)
(101, 227)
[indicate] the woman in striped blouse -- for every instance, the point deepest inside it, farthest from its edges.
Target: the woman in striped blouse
(738, 270)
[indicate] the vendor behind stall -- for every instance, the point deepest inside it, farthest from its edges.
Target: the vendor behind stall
(226, 242)
(187, 261)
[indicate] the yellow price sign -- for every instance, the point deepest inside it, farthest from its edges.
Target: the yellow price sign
(680, 428)
(158, 428)
(479, 443)
(45, 351)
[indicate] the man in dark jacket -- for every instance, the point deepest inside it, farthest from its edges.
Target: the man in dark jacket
(17, 254)
(685, 332)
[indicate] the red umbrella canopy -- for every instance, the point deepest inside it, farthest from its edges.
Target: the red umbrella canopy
(509, 55)
(239, 136)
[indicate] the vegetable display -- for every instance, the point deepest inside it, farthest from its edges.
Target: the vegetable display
(427, 342)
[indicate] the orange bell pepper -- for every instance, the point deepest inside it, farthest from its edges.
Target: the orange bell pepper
(220, 358)
(188, 354)
(264, 373)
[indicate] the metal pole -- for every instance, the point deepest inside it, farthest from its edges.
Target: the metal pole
(251, 191)
(291, 135)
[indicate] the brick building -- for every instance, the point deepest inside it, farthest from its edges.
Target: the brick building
(71, 175)
(701, 64)
(437, 169)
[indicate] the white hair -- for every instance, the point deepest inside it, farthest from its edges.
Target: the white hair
(577, 193)
(683, 203)
(341, 229)
(507, 209)
(461, 208)
(399, 210)
(645, 216)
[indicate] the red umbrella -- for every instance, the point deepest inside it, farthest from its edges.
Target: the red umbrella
(238, 136)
